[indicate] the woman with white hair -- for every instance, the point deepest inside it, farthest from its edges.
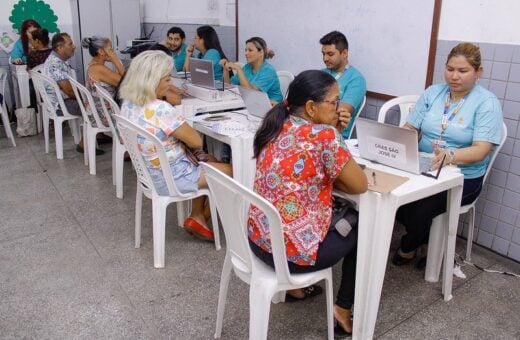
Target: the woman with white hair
(143, 91)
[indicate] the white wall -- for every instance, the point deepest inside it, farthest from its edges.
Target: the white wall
(211, 12)
(488, 21)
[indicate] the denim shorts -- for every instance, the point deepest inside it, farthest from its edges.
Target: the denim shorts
(185, 175)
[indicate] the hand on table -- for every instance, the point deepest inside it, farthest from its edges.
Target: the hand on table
(440, 155)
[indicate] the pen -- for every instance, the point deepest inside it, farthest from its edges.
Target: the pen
(374, 178)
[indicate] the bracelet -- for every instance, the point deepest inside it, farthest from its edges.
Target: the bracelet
(451, 154)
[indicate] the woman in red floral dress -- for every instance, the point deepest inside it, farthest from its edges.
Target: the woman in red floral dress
(301, 156)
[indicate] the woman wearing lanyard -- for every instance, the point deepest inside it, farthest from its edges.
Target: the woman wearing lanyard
(257, 74)
(460, 122)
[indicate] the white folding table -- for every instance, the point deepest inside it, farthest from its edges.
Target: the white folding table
(376, 223)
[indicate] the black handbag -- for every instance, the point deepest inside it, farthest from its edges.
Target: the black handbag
(344, 216)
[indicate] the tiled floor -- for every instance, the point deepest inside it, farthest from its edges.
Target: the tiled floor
(68, 269)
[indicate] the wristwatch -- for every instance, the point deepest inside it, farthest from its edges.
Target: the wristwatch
(451, 154)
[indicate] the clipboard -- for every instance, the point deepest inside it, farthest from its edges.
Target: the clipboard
(383, 182)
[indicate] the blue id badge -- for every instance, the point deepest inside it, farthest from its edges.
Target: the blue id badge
(439, 143)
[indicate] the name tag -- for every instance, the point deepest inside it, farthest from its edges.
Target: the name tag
(439, 143)
(385, 149)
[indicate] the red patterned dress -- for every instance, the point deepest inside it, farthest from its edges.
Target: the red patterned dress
(296, 173)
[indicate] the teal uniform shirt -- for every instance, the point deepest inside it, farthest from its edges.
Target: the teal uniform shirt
(352, 90)
(214, 56)
(265, 79)
(479, 119)
(17, 51)
(179, 57)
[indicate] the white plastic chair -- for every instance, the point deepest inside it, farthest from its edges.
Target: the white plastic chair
(87, 106)
(358, 113)
(3, 107)
(118, 148)
(405, 104)
(130, 133)
(232, 200)
(436, 240)
(285, 78)
(41, 83)
(39, 101)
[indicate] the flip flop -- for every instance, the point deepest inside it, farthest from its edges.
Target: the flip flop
(339, 332)
(309, 292)
(198, 230)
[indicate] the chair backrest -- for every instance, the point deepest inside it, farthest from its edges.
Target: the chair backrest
(86, 103)
(108, 108)
(3, 82)
(231, 199)
(42, 84)
(358, 113)
(495, 151)
(285, 78)
(131, 134)
(39, 69)
(405, 103)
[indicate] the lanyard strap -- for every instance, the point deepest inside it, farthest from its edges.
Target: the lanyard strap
(445, 119)
(339, 74)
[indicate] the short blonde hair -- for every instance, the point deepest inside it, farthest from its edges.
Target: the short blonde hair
(469, 51)
(143, 77)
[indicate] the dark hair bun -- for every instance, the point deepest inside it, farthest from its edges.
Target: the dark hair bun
(269, 53)
(85, 43)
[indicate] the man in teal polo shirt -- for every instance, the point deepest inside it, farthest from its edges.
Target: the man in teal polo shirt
(175, 42)
(352, 84)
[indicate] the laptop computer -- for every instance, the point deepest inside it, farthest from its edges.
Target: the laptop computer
(202, 75)
(257, 102)
(180, 74)
(391, 145)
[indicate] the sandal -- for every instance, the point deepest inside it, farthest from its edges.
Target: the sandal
(308, 292)
(339, 332)
(99, 152)
(198, 230)
(399, 260)
(422, 252)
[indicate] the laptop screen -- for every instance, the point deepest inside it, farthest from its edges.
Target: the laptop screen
(388, 144)
(202, 73)
(257, 102)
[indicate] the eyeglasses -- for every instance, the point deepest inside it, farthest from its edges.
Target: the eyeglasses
(335, 102)
(438, 171)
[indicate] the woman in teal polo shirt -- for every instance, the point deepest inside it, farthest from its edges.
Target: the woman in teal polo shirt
(207, 43)
(21, 47)
(461, 122)
(257, 74)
